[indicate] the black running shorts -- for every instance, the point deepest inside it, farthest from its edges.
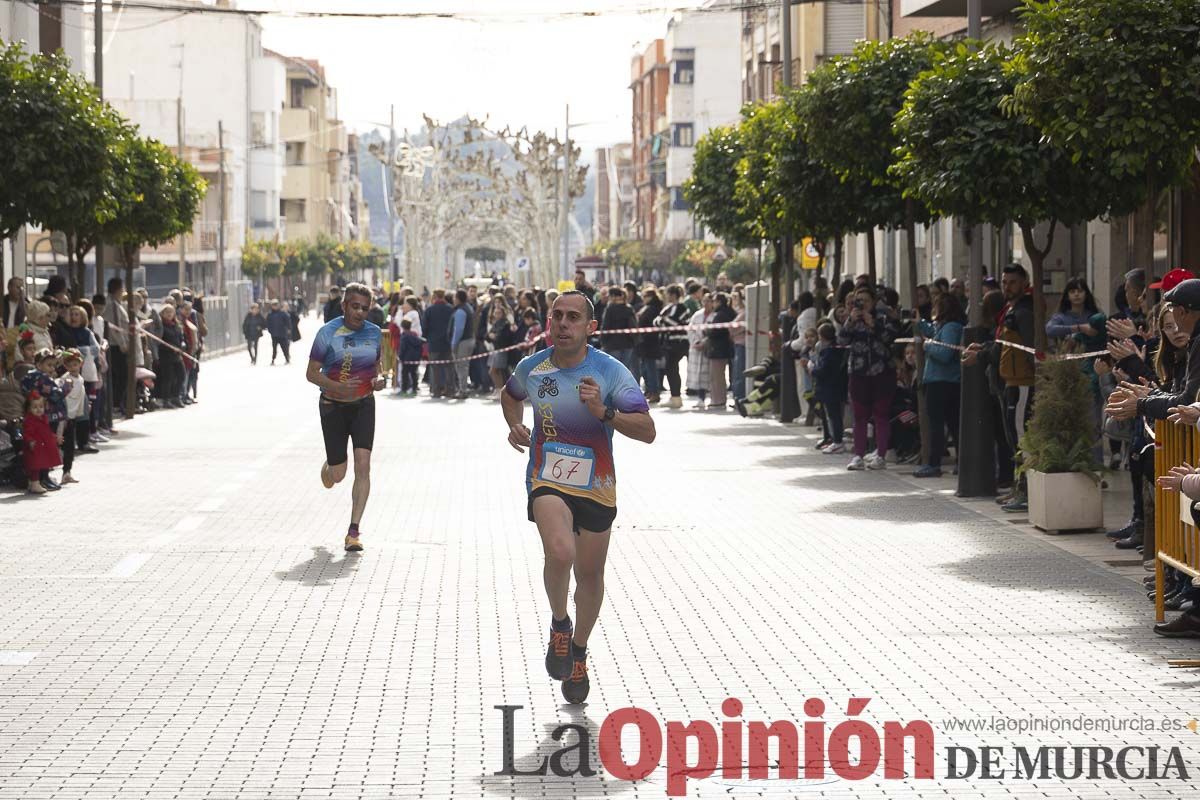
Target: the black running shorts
(341, 421)
(586, 514)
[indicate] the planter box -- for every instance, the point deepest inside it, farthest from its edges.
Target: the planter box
(1061, 501)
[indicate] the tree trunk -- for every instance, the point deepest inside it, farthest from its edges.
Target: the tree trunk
(776, 269)
(910, 252)
(1037, 258)
(1142, 250)
(837, 264)
(871, 256)
(134, 344)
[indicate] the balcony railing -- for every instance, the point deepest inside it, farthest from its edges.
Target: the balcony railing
(202, 239)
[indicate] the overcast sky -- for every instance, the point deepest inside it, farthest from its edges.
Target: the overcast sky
(520, 67)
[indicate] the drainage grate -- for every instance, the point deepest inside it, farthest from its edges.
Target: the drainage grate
(1019, 521)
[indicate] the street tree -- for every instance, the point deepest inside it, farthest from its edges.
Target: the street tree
(759, 190)
(157, 197)
(815, 201)
(847, 107)
(1117, 84)
(962, 153)
(57, 143)
(710, 189)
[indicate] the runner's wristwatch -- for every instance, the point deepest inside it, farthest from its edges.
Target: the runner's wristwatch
(609, 413)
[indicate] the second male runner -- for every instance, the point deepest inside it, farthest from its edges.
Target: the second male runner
(580, 395)
(344, 362)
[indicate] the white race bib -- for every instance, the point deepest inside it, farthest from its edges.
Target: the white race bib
(567, 465)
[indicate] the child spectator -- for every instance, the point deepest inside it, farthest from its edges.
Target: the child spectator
(533, 331)
(24, 363)
(830, 378)
(75, 401)
(42, 382)
(409, 355)
(40, 448)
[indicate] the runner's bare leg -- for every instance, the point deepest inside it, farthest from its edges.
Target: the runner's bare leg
(553, 520)
(362, 484)
(591, 553)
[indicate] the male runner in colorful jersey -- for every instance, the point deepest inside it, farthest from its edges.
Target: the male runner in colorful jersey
(580, 395)
(344, 362)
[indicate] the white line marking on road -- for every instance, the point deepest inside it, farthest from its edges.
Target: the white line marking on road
(128, 565)
(188, 524)
(16, 658)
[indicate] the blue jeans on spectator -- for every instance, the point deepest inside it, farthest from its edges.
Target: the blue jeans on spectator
(626, 356)
(651, 375)
(739, 366)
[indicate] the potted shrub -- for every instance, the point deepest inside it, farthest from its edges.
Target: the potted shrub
(1062, 474)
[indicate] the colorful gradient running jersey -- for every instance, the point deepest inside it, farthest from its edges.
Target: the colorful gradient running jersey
(346, 354)
(572, 449)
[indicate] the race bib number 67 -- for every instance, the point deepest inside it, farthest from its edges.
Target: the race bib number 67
(567, 464)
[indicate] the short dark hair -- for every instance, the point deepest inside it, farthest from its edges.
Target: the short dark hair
(115, 284)
(587, 301)
(826, 331)
(460, 295)
(359, 289)
(406, 324)
(1015, 269)
(616, 291)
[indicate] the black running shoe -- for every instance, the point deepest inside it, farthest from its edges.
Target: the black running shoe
(575, 688)
(558, 654)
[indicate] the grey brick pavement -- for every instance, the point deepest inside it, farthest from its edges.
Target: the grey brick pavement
(184, 624)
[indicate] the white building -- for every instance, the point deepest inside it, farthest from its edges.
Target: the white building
(204, 74)
(614, 193)
(704, 59)
(43, 29)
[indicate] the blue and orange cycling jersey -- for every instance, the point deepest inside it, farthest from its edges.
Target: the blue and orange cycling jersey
(346, 354)
(571, 449)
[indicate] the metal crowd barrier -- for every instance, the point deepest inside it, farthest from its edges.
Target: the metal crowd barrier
(1176, 537)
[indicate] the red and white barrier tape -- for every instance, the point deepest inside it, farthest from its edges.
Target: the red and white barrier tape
(611, 331)
(1040, 356)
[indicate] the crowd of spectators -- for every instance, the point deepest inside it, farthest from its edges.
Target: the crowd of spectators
(64, 370)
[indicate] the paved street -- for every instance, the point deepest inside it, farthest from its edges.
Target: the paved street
(184, 623)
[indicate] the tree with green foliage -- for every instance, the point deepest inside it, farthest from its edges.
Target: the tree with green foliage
(57, 145)
(711, 188)
(964, 155)
(260, 259)
(847, 107)
(1116, 83)
(816, 202)
(157, 197)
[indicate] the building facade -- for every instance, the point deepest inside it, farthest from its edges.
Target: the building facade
(317, 178)
(703, 93)
(614, 203)
(650, 80)
(199, 84)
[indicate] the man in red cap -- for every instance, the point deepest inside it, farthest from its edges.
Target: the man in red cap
(1172, 279)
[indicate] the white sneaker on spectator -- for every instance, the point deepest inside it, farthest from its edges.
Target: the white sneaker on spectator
(833, 448)
(700, 404)
(875, 461)
(856, 464)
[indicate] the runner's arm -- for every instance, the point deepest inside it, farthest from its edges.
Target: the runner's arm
(514, 414)
(336, 389)
(639, 426)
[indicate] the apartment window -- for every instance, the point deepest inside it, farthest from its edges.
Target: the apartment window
(295, 94)
(258, 127)
(50, 28)
(294, 153)
(258, 209)
(292, 210)
(685, 65)
(682, 134)
(678, 201)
